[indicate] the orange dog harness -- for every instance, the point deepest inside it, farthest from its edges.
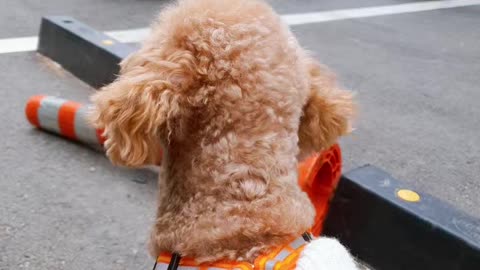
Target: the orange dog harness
(281, 258)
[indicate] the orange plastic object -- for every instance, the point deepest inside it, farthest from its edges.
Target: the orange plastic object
(31, 110)
(66, 119)
(318, 176)
(100, 137)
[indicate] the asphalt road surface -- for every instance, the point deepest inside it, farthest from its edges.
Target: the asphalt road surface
(416, 75)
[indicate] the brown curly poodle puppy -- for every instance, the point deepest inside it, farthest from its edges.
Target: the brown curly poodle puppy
(224, 88)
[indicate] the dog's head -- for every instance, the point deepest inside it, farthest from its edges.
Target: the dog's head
(251, 74)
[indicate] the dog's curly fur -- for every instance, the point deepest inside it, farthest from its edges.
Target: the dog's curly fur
(227, 92)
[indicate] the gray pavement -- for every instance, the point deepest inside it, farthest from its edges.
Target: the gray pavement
(63, 206)
(21, 18)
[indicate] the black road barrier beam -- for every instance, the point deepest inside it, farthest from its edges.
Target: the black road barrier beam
(90, 55)
(390, 226)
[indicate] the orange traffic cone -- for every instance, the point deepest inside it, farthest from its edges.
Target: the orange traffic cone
(63, 117)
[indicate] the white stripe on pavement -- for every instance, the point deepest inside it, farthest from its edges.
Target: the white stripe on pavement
(343, 14)
(23, 44)
(129, 36)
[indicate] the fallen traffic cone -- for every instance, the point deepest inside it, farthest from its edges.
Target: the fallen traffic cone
(63, 117)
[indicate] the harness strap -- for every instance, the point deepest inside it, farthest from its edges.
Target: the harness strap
(307, 237)
(174, 262)
(284, 257)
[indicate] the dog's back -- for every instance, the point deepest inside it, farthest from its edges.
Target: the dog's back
(231, 156)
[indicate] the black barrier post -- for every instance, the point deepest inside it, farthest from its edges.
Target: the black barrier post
(88, 54)
(390, 226)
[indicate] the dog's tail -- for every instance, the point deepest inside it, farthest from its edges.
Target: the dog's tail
(326, 253)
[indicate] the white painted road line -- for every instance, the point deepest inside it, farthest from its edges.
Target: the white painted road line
(23, 44)
(343, 14)
(129, 36)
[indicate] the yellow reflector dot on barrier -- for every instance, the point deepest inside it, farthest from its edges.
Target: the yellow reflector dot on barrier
(107, 42)
(408, 195)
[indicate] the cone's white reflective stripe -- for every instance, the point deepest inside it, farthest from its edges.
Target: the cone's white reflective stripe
(84, 132)
(298, 243)
(48, 113)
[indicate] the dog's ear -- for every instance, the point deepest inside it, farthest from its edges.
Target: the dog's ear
(327, 113)
(144, 106)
